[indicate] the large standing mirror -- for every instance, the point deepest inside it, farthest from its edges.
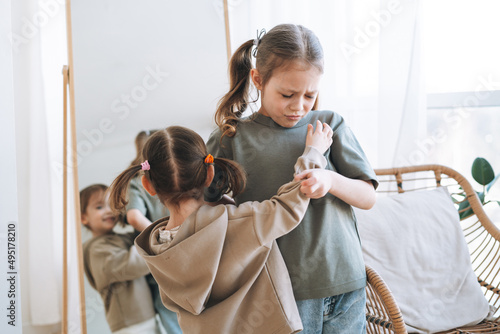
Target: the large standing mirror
(140, 65)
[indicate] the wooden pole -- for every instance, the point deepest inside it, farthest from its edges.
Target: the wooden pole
(228, 36)
(64, 322)
(74, 165)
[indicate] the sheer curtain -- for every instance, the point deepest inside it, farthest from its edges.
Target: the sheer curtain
(9, 217)
(373, 69)
(39, 52)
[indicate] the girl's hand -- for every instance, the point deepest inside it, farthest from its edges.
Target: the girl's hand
(321, 138)
(316, 183)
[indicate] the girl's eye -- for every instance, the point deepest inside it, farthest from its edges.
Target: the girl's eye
(309, 97)
(286, 96)
(99, 207)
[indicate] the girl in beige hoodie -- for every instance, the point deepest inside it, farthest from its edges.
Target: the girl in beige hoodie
(218, 267)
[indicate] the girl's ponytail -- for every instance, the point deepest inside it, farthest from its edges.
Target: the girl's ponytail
(230, 177)
(118, 189)
(234, 103)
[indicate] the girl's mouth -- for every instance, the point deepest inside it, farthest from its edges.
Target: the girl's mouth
(110, 218)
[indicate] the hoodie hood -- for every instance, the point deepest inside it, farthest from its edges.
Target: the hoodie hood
(190, 283)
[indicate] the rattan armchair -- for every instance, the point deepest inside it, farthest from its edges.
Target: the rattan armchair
(482, 236)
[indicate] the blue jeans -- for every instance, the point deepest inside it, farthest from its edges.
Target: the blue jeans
(341, 314)
(167, 318)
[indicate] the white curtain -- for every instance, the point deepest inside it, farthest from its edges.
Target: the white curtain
(40, 269)
(39, 53)
(402, 96)
(373, 69)
(9, 218)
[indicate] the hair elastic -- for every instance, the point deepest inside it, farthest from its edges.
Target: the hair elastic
(256, 41)
(145, 165)
(209, 159)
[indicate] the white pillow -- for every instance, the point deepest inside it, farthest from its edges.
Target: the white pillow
(415, 243)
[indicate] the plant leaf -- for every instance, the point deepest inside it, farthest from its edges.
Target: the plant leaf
(465, 204)
(492, 182)
(466, 213)
(482, 171)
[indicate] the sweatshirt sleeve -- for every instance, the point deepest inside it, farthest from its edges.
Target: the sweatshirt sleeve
(135, 197)
(111, 262)
(284, 211)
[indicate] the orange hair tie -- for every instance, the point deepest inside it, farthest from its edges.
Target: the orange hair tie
(209, 159)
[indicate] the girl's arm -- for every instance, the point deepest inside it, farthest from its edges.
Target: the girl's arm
(112, 262)
(350, 160)
(358, 193)
(136, 206)
(137, 219)
(284, 211)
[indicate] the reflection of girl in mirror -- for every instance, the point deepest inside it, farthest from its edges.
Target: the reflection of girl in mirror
(218, 266)
(323, 255)
(114, 268)
(141, 210)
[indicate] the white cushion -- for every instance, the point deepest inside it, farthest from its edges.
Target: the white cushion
(415, 243)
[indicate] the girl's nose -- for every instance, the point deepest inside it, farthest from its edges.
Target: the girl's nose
(296, 104)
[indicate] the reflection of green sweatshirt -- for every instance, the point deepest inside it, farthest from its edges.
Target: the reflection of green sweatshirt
(223, 272)
(115, 269)
(149, 206)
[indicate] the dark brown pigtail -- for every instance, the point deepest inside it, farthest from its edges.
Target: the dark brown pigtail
(118, 198)
(231, 177)
(235, 102)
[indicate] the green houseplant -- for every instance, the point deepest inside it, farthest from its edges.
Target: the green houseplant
(482, 173)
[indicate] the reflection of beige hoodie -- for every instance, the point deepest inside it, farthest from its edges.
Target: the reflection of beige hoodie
(222, 272)
(114, 268)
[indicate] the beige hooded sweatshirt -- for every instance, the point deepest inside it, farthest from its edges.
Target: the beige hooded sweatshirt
(223, 272)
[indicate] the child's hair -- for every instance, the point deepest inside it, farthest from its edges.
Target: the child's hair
(140, 140)
(279, 47)
(177, 169)
(86, 194)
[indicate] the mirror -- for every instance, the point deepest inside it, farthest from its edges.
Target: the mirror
(140, 66)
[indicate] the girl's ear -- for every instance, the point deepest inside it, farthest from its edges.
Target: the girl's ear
(210, 175)
(84, 219)
(256, 78)
(147, 185)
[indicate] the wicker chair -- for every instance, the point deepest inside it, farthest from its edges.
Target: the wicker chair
(482, 236)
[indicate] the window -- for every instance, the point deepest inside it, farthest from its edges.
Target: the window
(462, 62)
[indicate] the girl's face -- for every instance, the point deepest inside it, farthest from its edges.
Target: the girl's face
(98, 216)
(289, 94)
